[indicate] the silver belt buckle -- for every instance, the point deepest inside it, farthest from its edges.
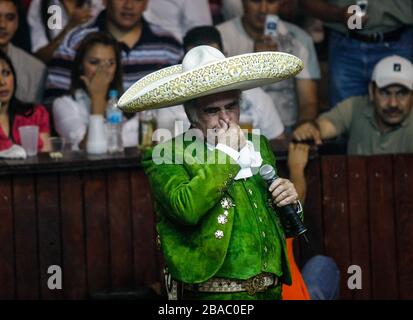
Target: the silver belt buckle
(255, 284)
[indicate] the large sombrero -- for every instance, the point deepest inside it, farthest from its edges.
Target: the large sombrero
(204, 71)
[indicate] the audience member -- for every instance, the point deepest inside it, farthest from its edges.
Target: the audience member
(256, 107)
(215, 9)
(46, 38)
(380, 123)
(386, 30)
(232, 9)
(296, 99)
(15, 114)
(178, 16)
(30, 71)
(21, 37)
(144, 47)
(97, 71)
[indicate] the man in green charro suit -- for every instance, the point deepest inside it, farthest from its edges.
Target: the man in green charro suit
(220, 235)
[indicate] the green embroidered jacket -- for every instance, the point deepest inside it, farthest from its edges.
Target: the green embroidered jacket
(210, 224)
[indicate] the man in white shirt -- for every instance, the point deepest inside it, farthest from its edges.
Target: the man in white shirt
(178, 16)
(296, 99)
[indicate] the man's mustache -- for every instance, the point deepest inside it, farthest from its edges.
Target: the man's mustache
(392, 111)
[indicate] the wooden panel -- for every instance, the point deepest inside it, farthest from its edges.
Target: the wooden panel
(73, 236)
(7, 276)
(97, 232)
(313, 218)
(146, 263)
(48, 216)
(403, 186)
(335, 215)
(120, 229)
(382, 233)
(25, 222)
(359, 223)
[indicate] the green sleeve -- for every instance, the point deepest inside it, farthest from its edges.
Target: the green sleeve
(188, 191)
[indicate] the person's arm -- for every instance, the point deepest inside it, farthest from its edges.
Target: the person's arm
(45, 53)
(329, 124)
(324, 11)
(187, 196)
(297, 161)
(79, 16)
(46, 142)
(97, 88)
(43, 121)
(70, 120)
(307, 99)
(317, 131)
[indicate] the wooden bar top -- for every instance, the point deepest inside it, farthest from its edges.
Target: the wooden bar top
(71, 161)
(130, 158)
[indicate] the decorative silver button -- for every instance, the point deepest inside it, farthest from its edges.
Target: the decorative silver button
(222, 219)
(219, 234)
(226, 203)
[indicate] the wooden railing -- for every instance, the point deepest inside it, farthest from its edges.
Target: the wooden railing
(360, 212)
(94, 218)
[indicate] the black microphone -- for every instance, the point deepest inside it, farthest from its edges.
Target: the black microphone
(291, 222)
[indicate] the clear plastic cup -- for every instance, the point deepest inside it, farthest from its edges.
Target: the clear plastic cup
(29, 136)
(57, 144)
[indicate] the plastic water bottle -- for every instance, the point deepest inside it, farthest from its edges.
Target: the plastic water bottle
(114, 124)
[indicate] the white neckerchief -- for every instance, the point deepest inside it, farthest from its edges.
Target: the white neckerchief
(248, 159)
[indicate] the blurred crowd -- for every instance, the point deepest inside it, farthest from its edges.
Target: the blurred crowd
(60, 59)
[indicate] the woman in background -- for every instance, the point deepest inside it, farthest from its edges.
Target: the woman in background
(97, 70)
(15, 114)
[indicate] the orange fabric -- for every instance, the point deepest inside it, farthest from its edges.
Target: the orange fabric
(298, 289)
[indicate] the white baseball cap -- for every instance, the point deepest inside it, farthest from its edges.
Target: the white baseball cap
(393, 70)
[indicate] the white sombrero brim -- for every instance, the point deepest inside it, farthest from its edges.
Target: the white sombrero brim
(171, 86)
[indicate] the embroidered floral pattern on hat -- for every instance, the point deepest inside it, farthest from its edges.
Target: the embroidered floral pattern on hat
(172, 86)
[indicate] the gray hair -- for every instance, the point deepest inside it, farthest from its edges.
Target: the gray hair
(190, 110)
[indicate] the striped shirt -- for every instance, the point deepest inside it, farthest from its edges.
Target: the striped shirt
(155, 49)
